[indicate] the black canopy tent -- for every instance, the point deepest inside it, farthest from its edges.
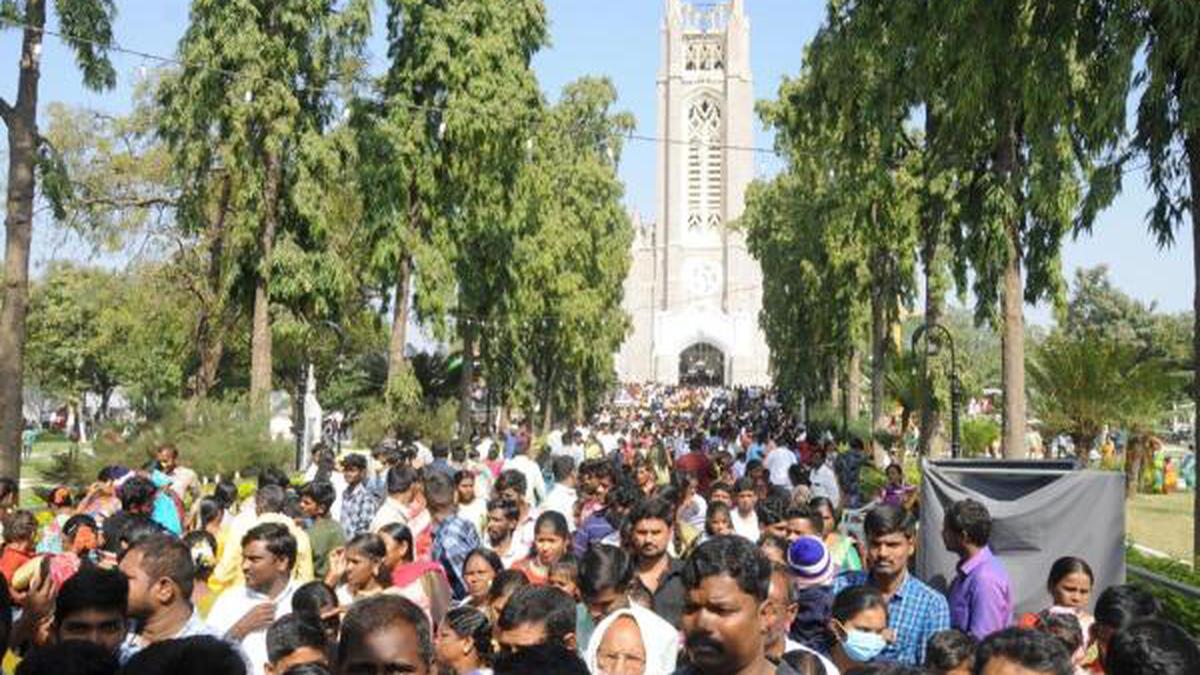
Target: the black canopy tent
(1041, 511)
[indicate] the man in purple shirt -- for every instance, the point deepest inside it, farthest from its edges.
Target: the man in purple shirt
(981, 594)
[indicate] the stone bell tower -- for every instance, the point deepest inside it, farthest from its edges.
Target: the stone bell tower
(694, 291)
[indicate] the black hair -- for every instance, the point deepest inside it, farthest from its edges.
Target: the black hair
(463, 474)
(507, 582)
(805, 662)
(270, 499)
(400, 478)
(20, 525)
(321, 492)
(164, 556)
(715, 508)
(72, 657)
(489, 556)
(1121, 605)
(510, 479)
(401, 535)
(798, 475)
(354, 461)
(655, 508)
(854, 600)
(378, 612)
(371, 544)
(886, 519)
(6, 611)
(311, 599)
(277, 538)
(225, 492)
(472, 624)
(1064, 626)
(971, 518)
(210, 509)
(198, 655)
(561, 467)
(544, 605)
(743, 484)
(604, 567)
(512, 511)
(202, 565)
(1065, 567)
(273, 475)
(773, 541)
(556, 521)
(950, 649)
(92, 588)
(1152, 647)
(440, 492)
(544, 659)
(440, 451)
(810, 514)
(8, 486)
(771, 510)
(730, 555)
(308, 668)
(291, 632)
(1030, 649)
(134, 530)
(137, 494)
(77, 521)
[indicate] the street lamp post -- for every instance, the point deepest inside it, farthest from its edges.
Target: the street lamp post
(955, 384)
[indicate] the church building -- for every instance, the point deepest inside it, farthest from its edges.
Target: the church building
(694, 291)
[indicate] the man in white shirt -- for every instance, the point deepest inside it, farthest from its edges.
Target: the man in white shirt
(777, 461)
(823, 479)
(562, 495)
(243, 613)
(743, 517)
(511, 486)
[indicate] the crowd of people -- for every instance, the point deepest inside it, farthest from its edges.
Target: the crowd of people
(682, 531)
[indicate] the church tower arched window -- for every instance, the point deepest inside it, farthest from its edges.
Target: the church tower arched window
(705, 164)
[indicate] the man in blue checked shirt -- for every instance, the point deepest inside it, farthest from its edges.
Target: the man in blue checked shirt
(453, 537)
(915, 611)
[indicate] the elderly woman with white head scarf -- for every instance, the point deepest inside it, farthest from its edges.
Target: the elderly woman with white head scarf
(633, 641)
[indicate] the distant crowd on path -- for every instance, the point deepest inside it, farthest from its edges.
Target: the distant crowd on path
(692, 531)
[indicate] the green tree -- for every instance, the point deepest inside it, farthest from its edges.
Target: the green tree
(241, 130)
(1168, 136)
(87, 25)
(1084, 382)
(440, 151)
(564, 321)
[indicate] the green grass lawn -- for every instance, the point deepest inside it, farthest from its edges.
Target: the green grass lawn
(1162, 522)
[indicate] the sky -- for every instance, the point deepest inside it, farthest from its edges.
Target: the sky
(620, 39)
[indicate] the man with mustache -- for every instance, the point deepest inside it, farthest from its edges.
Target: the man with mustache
(915, 611)
(651, 532)
(727, 613)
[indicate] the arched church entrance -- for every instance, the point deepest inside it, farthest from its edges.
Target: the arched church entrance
(702, 365)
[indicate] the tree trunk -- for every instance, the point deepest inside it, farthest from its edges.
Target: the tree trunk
(1012, 354)
(21, 121)
(835, 389)
(879, 356)
(1192, 143)
(465, 416)
(399, 337)
(210, 329)
(854, 385)
(580, 404)
(548, 402)
(260, 339)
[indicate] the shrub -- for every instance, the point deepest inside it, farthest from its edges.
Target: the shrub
(1178, 607)
(213, 437)
(978, 434)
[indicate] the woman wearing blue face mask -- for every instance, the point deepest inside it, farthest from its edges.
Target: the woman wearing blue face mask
(859, 627)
